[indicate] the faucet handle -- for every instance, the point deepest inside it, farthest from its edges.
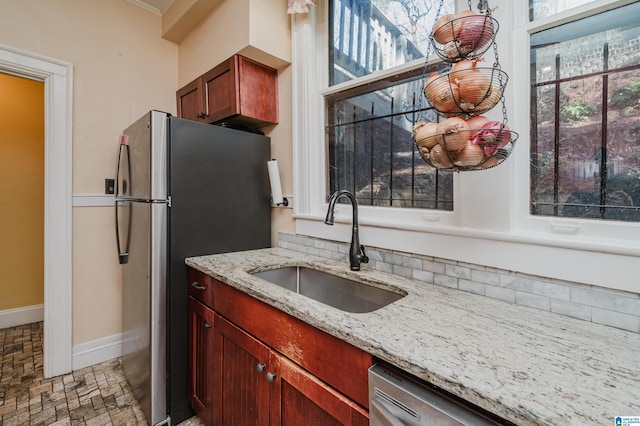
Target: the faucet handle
(363, 255)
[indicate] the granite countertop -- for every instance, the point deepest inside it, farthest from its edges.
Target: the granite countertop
(527, 366)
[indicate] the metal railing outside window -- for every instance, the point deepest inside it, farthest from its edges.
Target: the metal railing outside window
(585, 118)
(368, 127)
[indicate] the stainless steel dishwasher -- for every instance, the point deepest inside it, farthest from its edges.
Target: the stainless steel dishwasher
(397, 399)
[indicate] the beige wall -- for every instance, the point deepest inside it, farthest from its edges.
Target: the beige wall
(259, 29)
(21, 192)
(122, 68)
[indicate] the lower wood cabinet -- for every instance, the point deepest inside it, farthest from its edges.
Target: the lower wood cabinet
(201, 359)
(303, 399)
(247, 378)
(240, 377)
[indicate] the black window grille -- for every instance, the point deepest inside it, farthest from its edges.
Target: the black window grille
(371, 151)
(585, 118)
(368, 128)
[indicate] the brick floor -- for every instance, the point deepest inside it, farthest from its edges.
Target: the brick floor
(94, 396)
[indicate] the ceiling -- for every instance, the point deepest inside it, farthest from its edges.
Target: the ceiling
(156, 6)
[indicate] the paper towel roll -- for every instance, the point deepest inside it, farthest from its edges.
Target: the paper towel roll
(274, 179)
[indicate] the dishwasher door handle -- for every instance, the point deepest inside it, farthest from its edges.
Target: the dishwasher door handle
(383, 416)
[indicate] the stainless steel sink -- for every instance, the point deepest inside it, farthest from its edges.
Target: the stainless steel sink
(338, 292)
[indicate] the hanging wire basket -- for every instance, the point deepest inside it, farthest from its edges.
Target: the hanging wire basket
(467, 92)
(472, 149)
(465, 140)
(465, 37)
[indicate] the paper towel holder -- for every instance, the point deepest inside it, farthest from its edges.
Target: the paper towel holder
(276, 188)
(284, 203)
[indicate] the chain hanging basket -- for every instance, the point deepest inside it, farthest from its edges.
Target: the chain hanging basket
(456, 144)
(466, 35)
(471, 91)
(464, 139)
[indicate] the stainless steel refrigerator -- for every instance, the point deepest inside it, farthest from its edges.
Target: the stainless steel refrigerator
(182, 189)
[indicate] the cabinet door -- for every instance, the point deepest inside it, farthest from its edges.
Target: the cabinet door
(221, 91)
(190, 99)
(201, 359)
(241, 377)
(241, 91)
(302, 399)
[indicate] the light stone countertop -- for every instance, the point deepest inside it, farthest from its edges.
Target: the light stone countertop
(528, 366)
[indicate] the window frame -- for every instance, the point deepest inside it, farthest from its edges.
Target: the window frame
(487, 227)
(614, 236)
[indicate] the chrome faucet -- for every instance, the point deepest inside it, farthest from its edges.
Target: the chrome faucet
(356, 251)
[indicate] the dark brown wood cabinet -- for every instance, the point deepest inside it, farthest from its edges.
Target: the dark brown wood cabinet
(239, 91)
(303, 399)
(267, 367)
(201, 359)
(241, 377)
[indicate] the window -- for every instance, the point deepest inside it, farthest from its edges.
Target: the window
(368, 125)
(585, 86)
(543, 8)
(492, 223)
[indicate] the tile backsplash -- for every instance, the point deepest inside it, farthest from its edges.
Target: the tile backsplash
(600, 305)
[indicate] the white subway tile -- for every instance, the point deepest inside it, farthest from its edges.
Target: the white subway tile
(421, 275)
(485, 277)
(616, 319)
(593, 298)
(471, 287)
(433, 266)
(571, 309)
(458, 271)
(627, 305)
(506, 294)
(445, 280)
(533, 300)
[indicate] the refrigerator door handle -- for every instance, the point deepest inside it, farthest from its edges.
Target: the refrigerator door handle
(123, 256)
(123, 147)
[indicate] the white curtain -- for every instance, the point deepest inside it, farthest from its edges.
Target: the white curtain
(300, 6)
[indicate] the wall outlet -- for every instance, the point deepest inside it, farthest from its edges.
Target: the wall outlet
(109, 186)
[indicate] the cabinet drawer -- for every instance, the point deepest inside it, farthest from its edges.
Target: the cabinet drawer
(201, 287)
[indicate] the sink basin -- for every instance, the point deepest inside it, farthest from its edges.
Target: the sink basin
(338, 292)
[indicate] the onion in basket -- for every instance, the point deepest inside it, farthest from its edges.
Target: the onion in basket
(475, 32)
(440, 158)
(455, 131)
(470, 155)
(473, 84)
(443, 31)
(425, 134)
(476, 122)
(441, 94)
(493, 97)
(491, 137)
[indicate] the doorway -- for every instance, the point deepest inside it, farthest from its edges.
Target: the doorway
(57, 77)
(21, 199)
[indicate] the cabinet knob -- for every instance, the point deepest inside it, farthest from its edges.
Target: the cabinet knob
(202, 115)
(271, 376)
(207, 325)
(198, 286)
(261, 367)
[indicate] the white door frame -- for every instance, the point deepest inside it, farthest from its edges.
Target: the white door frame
(58, 83)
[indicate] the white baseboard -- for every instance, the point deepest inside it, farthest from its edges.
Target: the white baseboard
(20, 316)
(96, 351)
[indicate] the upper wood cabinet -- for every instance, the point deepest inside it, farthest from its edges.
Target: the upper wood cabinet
(239, 91)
